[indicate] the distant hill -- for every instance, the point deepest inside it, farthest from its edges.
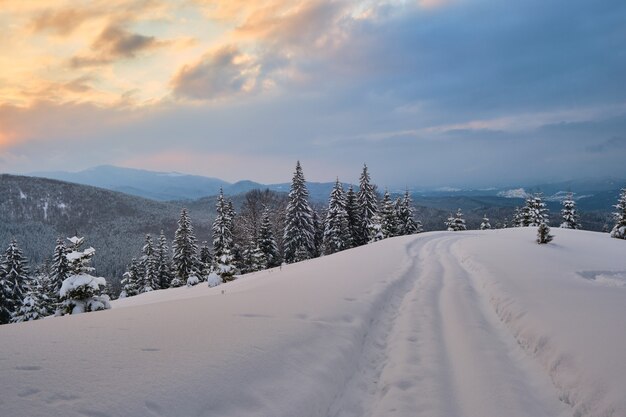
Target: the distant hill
(171, 186)
(36, 211)
(161, 186)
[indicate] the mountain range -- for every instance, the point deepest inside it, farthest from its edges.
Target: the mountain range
(170, 186)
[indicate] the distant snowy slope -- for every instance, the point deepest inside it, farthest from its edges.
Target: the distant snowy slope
(484, 324)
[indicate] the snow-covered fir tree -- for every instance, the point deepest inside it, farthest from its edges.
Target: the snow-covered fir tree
(368, 205)
(164, 262)
(34, 303)
(619, 229)
(82, 292)
(59, 271)
(407, 225)
(517, 218)
(543, 233)
(206, 260)
(485, 225)
(354, 216)
(571, 220)
(150, 268)
(266, 241)
(185, 260)
(388, 216)
(222, 226)
(375, 231)
(534, 212)
(257, 261)
(130, 279)
(337, 235)
(318, 236)
(225, 266)
(13, 281)
(456, 223)
(299, 235)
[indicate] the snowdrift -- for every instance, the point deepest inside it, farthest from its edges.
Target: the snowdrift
(439, 324)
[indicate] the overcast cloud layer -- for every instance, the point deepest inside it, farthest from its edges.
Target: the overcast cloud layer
(428, 93)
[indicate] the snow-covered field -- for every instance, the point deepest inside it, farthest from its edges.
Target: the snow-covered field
(484, 324)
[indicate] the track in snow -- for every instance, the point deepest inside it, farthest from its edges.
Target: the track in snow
(438, 349)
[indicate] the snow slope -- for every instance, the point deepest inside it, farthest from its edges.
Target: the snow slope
(440, 324)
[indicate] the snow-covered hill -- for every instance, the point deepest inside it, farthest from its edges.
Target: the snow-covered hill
(440, 324)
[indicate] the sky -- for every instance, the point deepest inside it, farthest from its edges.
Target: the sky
(426, 92)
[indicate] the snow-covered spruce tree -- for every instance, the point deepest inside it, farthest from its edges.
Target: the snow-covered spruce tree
(258, 261)
(456, 223)
(485, 225)
(130, 280)
(375, 232)
(571, 220)
(543, 233)
(534, 212)
(318, 236)
(149, 281)
(388, 216)
(619, 230)
(299, 235)
(206, 260)
(354, 216)
(266, 241)
(59, 271)
(407, 225)
(34, 303)
(13, 281)
(164, 269)
(222, 226)
(336, 231)
(368, 205)
(185, 259)
(517, 218)
(224, 266)
(82, 292)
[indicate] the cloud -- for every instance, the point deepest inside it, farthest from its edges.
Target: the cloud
(220, 73)
(612, 144)
(115, 43)
(64, 21)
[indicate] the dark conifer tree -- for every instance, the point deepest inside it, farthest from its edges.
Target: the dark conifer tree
(354, 216)
(571, 219)
(407, 225)
(485, 225)
(266, 241)
(388, 216)
(33, 305)
(185, 259)
(60, 270)
(149, 267)
(13, 281)
(130, 280)
(164, 262)
(543, 233)
(223, 226)
(619, 230)
(368, 205)
(299, 235)
(456, 223)
(337, 235)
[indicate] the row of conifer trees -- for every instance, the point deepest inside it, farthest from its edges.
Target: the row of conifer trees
(351, 219)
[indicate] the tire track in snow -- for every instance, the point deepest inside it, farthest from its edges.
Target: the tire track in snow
(492, 375)
(437, 349)
(363, 389)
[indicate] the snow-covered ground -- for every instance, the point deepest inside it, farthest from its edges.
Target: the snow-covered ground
(485, 324)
